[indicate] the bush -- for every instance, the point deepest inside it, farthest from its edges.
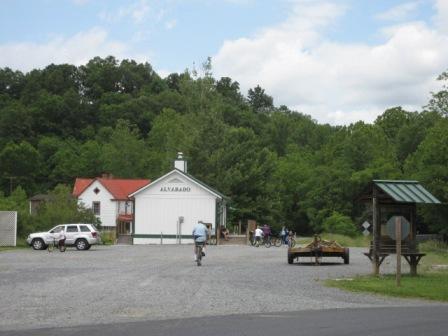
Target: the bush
(108, 237)
(340, 224)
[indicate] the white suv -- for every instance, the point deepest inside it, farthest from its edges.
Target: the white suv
(82, 236)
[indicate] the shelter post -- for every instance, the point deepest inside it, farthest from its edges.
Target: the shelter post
(375, 243)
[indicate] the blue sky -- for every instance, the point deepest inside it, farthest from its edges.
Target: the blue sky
(338, 60)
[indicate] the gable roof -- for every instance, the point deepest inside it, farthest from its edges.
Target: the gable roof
(406, 191)
(189, 177)
(119, 188)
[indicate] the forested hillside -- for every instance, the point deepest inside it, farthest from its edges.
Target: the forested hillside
(276, 166)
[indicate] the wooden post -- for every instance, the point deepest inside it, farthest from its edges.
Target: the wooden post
(398, 242)
(375, 257)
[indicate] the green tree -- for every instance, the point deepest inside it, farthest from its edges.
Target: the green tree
(22, 162)
(259, 100)
(18, 201)
(439, 100)
(340, 224)
(125, 154)
(429, 166)
(61, 208)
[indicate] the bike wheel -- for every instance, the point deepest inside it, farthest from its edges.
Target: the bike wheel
(50, 247)
(267, 244)
(198, 255)
(291, 242)
(277, 242)
(62, 248)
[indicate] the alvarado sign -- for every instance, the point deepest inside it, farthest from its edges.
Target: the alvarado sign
(175, 189)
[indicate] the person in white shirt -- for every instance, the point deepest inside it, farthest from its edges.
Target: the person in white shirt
(258, 234)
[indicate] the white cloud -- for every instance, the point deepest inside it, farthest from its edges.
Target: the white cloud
(441, 18)
(137, 11)
(400, 12)
(170, 24)
(80, 2)
(77, 49)
(332, 81)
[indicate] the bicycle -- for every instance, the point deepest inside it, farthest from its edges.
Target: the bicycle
(276, 241)
(199, 247)
(263, 241)
(212, 240)
(57, 242)
(291, 242)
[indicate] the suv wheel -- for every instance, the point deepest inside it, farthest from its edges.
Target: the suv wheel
(82, 244)
(38, 244)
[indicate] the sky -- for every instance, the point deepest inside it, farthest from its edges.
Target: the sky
(339, 61)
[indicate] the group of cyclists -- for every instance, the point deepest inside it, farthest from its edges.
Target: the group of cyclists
(201, 233)
(264, 233)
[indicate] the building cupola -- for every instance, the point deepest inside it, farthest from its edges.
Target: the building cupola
(180, 162)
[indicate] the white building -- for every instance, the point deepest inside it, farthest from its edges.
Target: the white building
(166, 210)
(109, 201)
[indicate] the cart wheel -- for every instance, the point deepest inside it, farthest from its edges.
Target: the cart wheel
(346, 256)
(290, 258)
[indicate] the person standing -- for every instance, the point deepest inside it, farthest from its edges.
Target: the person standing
(258, 234)
(283, 234)
(267, 232)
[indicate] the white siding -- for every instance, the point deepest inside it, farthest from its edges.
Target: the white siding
(108, 214)
(158, 208)
(124, 207)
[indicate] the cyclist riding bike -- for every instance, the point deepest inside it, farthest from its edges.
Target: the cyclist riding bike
(200, 234)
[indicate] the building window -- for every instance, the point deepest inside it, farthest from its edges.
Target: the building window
(96, 207)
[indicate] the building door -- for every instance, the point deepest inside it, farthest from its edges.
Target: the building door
(124, 228)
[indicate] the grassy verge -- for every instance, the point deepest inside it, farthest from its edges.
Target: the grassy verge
(431, 286)
(431, 283)
(21, 243)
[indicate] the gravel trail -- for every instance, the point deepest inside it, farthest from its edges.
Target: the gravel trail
(130, 283)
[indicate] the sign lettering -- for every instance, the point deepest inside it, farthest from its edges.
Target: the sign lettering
(175, 189)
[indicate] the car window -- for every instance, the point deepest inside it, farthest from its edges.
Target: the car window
(84, 228)
(57, 229)
(72, 228)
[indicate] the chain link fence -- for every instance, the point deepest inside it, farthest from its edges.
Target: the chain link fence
(8, 228)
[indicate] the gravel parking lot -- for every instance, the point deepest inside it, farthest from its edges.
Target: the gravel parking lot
(130, 283)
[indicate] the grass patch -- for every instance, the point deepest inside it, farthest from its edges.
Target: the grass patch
(430, 286)
(21, 243)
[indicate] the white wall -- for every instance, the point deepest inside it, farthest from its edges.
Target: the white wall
(108, 214)
(158, 208)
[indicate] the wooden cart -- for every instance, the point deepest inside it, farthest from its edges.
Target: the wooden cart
(319, 248)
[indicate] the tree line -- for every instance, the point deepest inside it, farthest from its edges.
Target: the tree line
(276, 165)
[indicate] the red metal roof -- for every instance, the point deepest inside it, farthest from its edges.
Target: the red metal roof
(119, 188)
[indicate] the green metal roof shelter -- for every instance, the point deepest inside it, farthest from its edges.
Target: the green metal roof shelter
(392, 199)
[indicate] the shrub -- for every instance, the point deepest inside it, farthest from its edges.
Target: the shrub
(341, 224)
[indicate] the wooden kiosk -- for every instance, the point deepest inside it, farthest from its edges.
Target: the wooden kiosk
(395, 198)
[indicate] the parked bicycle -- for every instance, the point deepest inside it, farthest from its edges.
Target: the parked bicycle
(291, 242)
(263, 241)
(276, 241)
(212, 240)
(58, 243)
